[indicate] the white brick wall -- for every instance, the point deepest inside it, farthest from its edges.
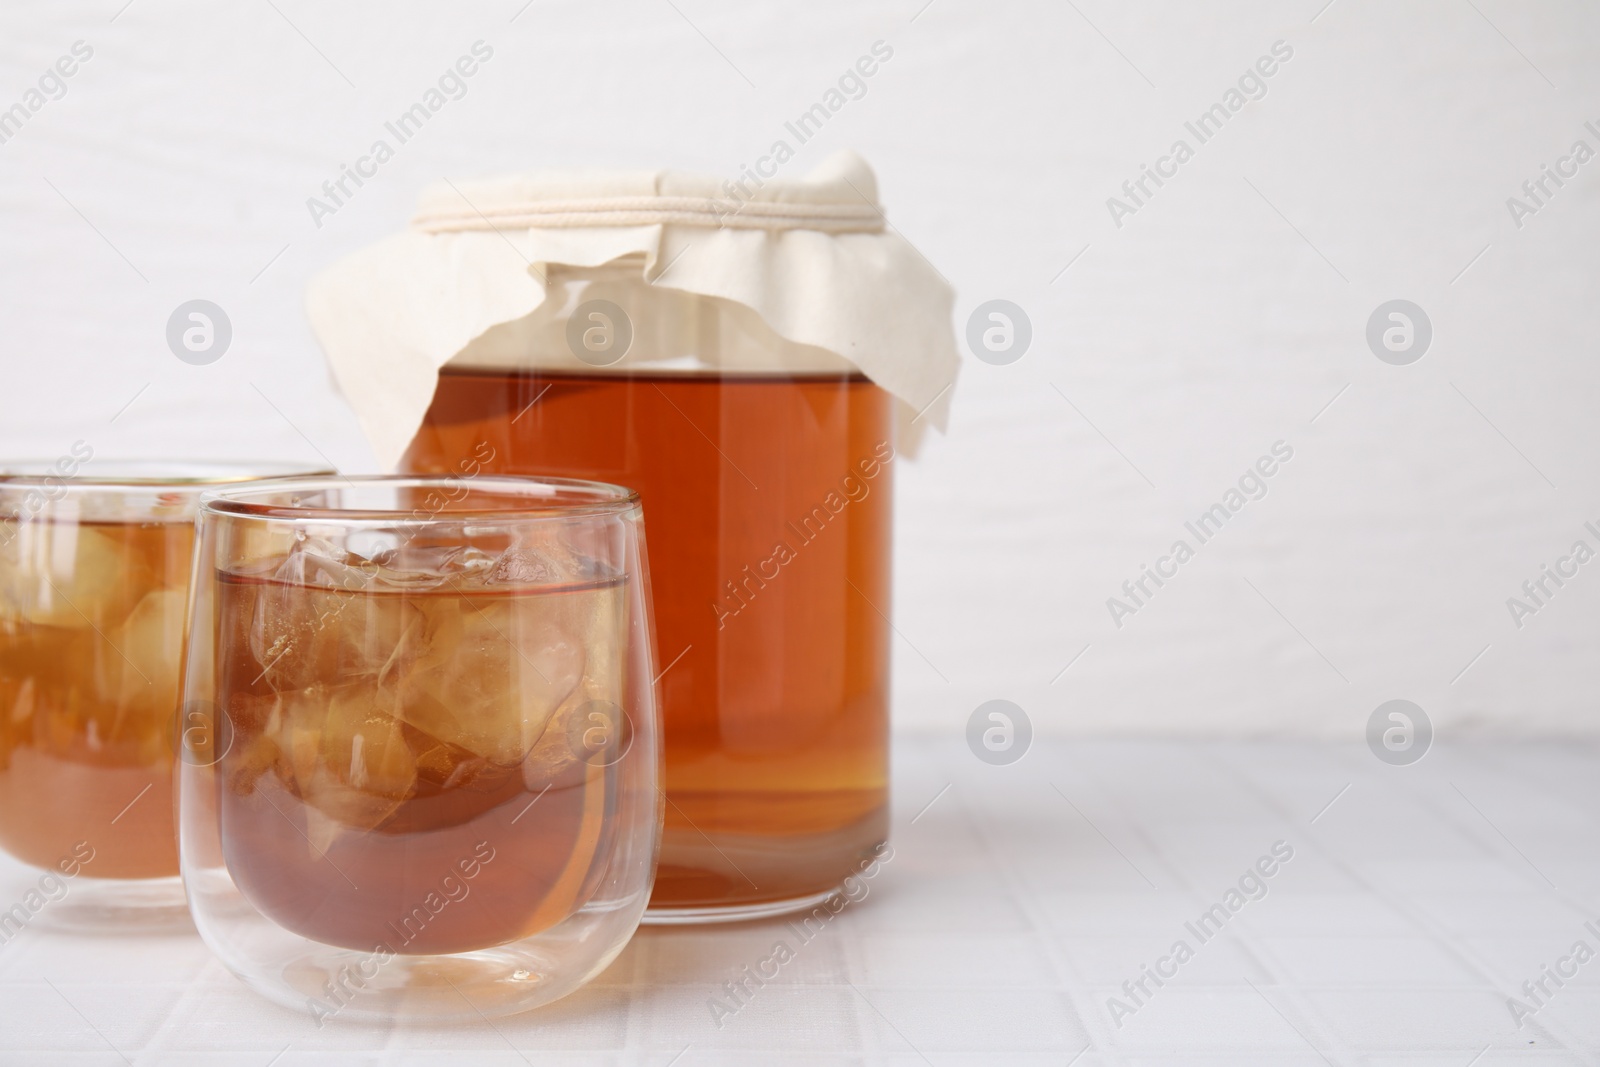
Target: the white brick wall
(1219, 318)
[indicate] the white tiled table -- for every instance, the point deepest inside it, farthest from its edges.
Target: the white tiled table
(1014, 907)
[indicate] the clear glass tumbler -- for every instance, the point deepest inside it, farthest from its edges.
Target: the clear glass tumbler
(420, 761)
(95, 558)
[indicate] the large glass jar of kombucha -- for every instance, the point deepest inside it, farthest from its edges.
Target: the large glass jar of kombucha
(746, 380)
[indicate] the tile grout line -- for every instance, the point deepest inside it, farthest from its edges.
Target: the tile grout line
(1572, 1043)
(1438, 935)
(1074, 993)
(1242, 938)
(1296, 992)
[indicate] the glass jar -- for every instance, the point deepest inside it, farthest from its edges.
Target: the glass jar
(748, 355)
(770, 504)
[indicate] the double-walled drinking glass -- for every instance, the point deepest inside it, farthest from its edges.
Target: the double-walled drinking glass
(95, 558)
(419, 765)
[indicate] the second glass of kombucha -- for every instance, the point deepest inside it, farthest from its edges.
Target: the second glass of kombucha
(95, 560)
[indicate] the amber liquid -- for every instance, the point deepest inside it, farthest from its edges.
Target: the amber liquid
(91, 633)
(408, 771)
(767, 511)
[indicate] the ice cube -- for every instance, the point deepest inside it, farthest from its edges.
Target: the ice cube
(492, 690)
(365, 746)
(139, 676)
(525, 566)
(283, 626)
(69, 574)
(364, 771)
(305, 636)
(296, 600)
(555, 761)
(420, 568)
(339, 750)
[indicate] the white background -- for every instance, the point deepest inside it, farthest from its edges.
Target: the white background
(1225, 315)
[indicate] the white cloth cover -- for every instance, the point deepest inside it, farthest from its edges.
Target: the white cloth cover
(813, 258)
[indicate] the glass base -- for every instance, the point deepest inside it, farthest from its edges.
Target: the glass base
(102, 906)
(736, 913)
(461, 987)
(331, 983)
(337, 985)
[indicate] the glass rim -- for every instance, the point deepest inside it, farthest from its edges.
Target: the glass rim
(598, 498)
(150, 474)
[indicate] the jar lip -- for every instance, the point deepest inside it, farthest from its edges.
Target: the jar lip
(440, 499)
(178, 475)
